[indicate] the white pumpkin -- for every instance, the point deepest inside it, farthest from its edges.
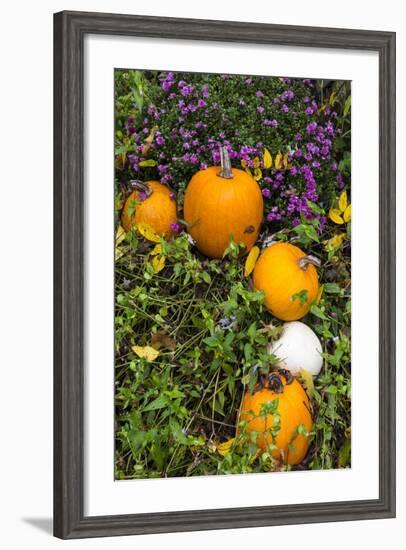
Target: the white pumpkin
(298, 348)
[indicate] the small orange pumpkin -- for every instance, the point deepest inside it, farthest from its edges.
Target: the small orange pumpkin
(150, 203)
(293, 410)
(289, 280)
(223, 203)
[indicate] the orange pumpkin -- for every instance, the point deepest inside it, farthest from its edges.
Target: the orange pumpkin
(293, 410)
(223, 203)
(289, 280)
(150, 203)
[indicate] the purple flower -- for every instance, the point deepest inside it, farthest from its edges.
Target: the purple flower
(287, 95)
(309, 111)
(276, 100)
(258, 93)
(205, 90)
(248, 81)
(311, 127)
(172, 196)
(266, 193)
(268, 122)
(298, 137)
(201, 103)
(274, 215)
(306, 99)
(160, 140)
(334, 166)
(330, 128)
(285, 108)
(308, 156)
(168, 81)
(260, 109)
(316, 164)
(176, 227)
(241, 102)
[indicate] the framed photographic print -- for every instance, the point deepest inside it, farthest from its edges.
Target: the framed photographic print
(224, 274)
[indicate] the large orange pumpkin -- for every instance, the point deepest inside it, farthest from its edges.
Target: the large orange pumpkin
(289, 280)
(293, 410)
(150, 203)
(223, 203)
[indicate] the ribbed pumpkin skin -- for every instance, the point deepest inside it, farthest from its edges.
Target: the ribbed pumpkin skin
(158, 210)
(278, 274)
(293, 408)
(216, 207)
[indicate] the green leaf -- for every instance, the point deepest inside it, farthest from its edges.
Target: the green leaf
(147, 163)
(332, 288)
(177, 433)
(344, 454)
(159, 403)
(318, 312)
(314, 207)
(302, 296)
(347, 106)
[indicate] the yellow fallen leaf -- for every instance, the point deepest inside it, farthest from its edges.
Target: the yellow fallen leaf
(251, 261)
(156, 250)
(267, 159)
(147, 232)
(319, 294)
(224, 448)
(118, 253)
(307, 380)
(278, 161)
(342, 201)
(244, 164)
(347, 214)
(148, 141)
(120, 236)
(333, 98)
(257, 174)
(335, 216)
(286, 161)
(335, 242)
(158, 263)
(146, 352)
(256, 162)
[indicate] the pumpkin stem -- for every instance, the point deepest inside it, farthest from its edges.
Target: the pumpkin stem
(306, 260)
(226, 170)
(141, 186)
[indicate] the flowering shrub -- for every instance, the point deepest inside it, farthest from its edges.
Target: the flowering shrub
(279, 129)
(191, 334)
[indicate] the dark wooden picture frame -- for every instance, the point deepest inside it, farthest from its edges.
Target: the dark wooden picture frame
(70, 29)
